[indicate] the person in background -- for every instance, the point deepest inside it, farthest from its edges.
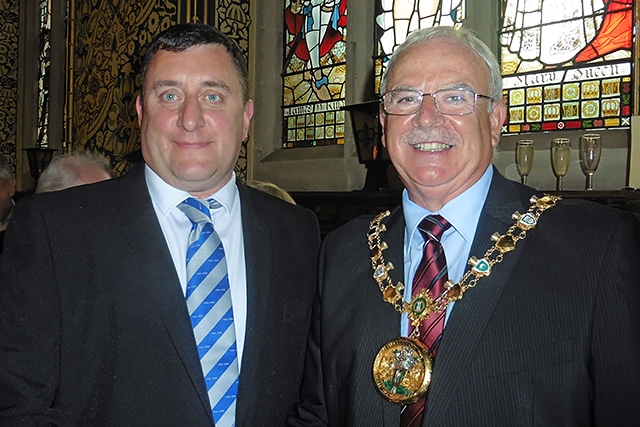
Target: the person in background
(71, 170)
(273, 189)
(478, 301)
(7, 191)
(174, 295)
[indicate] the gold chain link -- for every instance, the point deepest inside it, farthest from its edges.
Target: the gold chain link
(393, 293)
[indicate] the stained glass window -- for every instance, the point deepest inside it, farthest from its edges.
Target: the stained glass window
(566, 64)
(395, 19)
(314, 72)
(44, 63)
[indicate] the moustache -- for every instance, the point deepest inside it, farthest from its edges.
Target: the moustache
(430, 135)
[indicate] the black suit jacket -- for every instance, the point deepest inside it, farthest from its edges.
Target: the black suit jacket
(94, 328)
(550, 338)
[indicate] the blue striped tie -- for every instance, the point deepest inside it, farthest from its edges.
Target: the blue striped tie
(209, 305)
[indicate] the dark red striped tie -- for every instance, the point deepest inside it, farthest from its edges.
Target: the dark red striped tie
(431, 275)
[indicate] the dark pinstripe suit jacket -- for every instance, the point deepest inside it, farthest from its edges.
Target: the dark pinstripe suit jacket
(93, 324)
(550, 338)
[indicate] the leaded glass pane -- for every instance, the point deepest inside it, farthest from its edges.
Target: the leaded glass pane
(395, 19)
(314, 72)
(43, 73)
(567, 65)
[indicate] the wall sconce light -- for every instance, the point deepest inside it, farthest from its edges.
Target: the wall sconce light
(39, 159)
(367, 133)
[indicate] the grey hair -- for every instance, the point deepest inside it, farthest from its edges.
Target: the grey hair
(272, 189)
(459, 35)
(6, 174)
(64, 171)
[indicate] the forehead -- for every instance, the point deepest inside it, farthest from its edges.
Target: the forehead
(438, 63)
(209, 62)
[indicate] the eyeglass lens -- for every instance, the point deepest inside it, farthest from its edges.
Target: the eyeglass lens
(447, 101)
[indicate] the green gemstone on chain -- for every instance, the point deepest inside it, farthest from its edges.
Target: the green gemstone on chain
(482, 267)
(418, 306)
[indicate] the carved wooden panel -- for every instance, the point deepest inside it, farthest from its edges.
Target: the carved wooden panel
(107, 41)
(9, 16)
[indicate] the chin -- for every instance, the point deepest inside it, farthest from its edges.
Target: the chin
(432, 175)
(195, 177)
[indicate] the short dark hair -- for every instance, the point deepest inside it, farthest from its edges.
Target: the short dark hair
(181, 37)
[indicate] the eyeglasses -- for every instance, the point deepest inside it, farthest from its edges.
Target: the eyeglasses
(451, 102)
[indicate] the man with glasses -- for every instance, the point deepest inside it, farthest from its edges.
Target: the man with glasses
(479, 301)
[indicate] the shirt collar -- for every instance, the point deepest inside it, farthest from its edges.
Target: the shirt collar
(462, 212)
(167, 197)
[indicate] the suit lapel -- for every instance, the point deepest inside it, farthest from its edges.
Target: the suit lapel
(144, 234)
(383, 318)
(259, 261)
(471, 314)
(383, 328)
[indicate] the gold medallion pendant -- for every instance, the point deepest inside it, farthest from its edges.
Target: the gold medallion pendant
(402, 370)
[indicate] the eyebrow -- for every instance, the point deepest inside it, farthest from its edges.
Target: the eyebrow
(174, 83)
(459, 85)
(214, 84)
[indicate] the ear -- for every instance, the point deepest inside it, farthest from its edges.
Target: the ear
(139, 110)
(248, 113)
(498, 116)
(383, 122)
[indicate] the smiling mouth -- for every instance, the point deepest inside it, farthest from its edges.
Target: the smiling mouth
(431, 146)
(194, 144)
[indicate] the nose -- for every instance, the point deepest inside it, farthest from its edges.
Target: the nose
(190, 115)
(428, 114)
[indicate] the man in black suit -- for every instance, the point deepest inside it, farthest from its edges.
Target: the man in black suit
(94, 328)
(541, 328)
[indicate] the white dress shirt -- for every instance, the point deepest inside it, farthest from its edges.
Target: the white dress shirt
(227, 222)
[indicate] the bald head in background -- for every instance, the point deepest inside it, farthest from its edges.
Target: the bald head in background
(71, 170)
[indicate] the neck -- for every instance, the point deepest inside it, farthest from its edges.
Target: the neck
(433, 203)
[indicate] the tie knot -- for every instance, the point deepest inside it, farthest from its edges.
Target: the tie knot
(197, 210)
(433, 227)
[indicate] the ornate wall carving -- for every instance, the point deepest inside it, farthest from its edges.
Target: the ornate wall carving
(9, 31)
(232, 17)
(109, 38)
